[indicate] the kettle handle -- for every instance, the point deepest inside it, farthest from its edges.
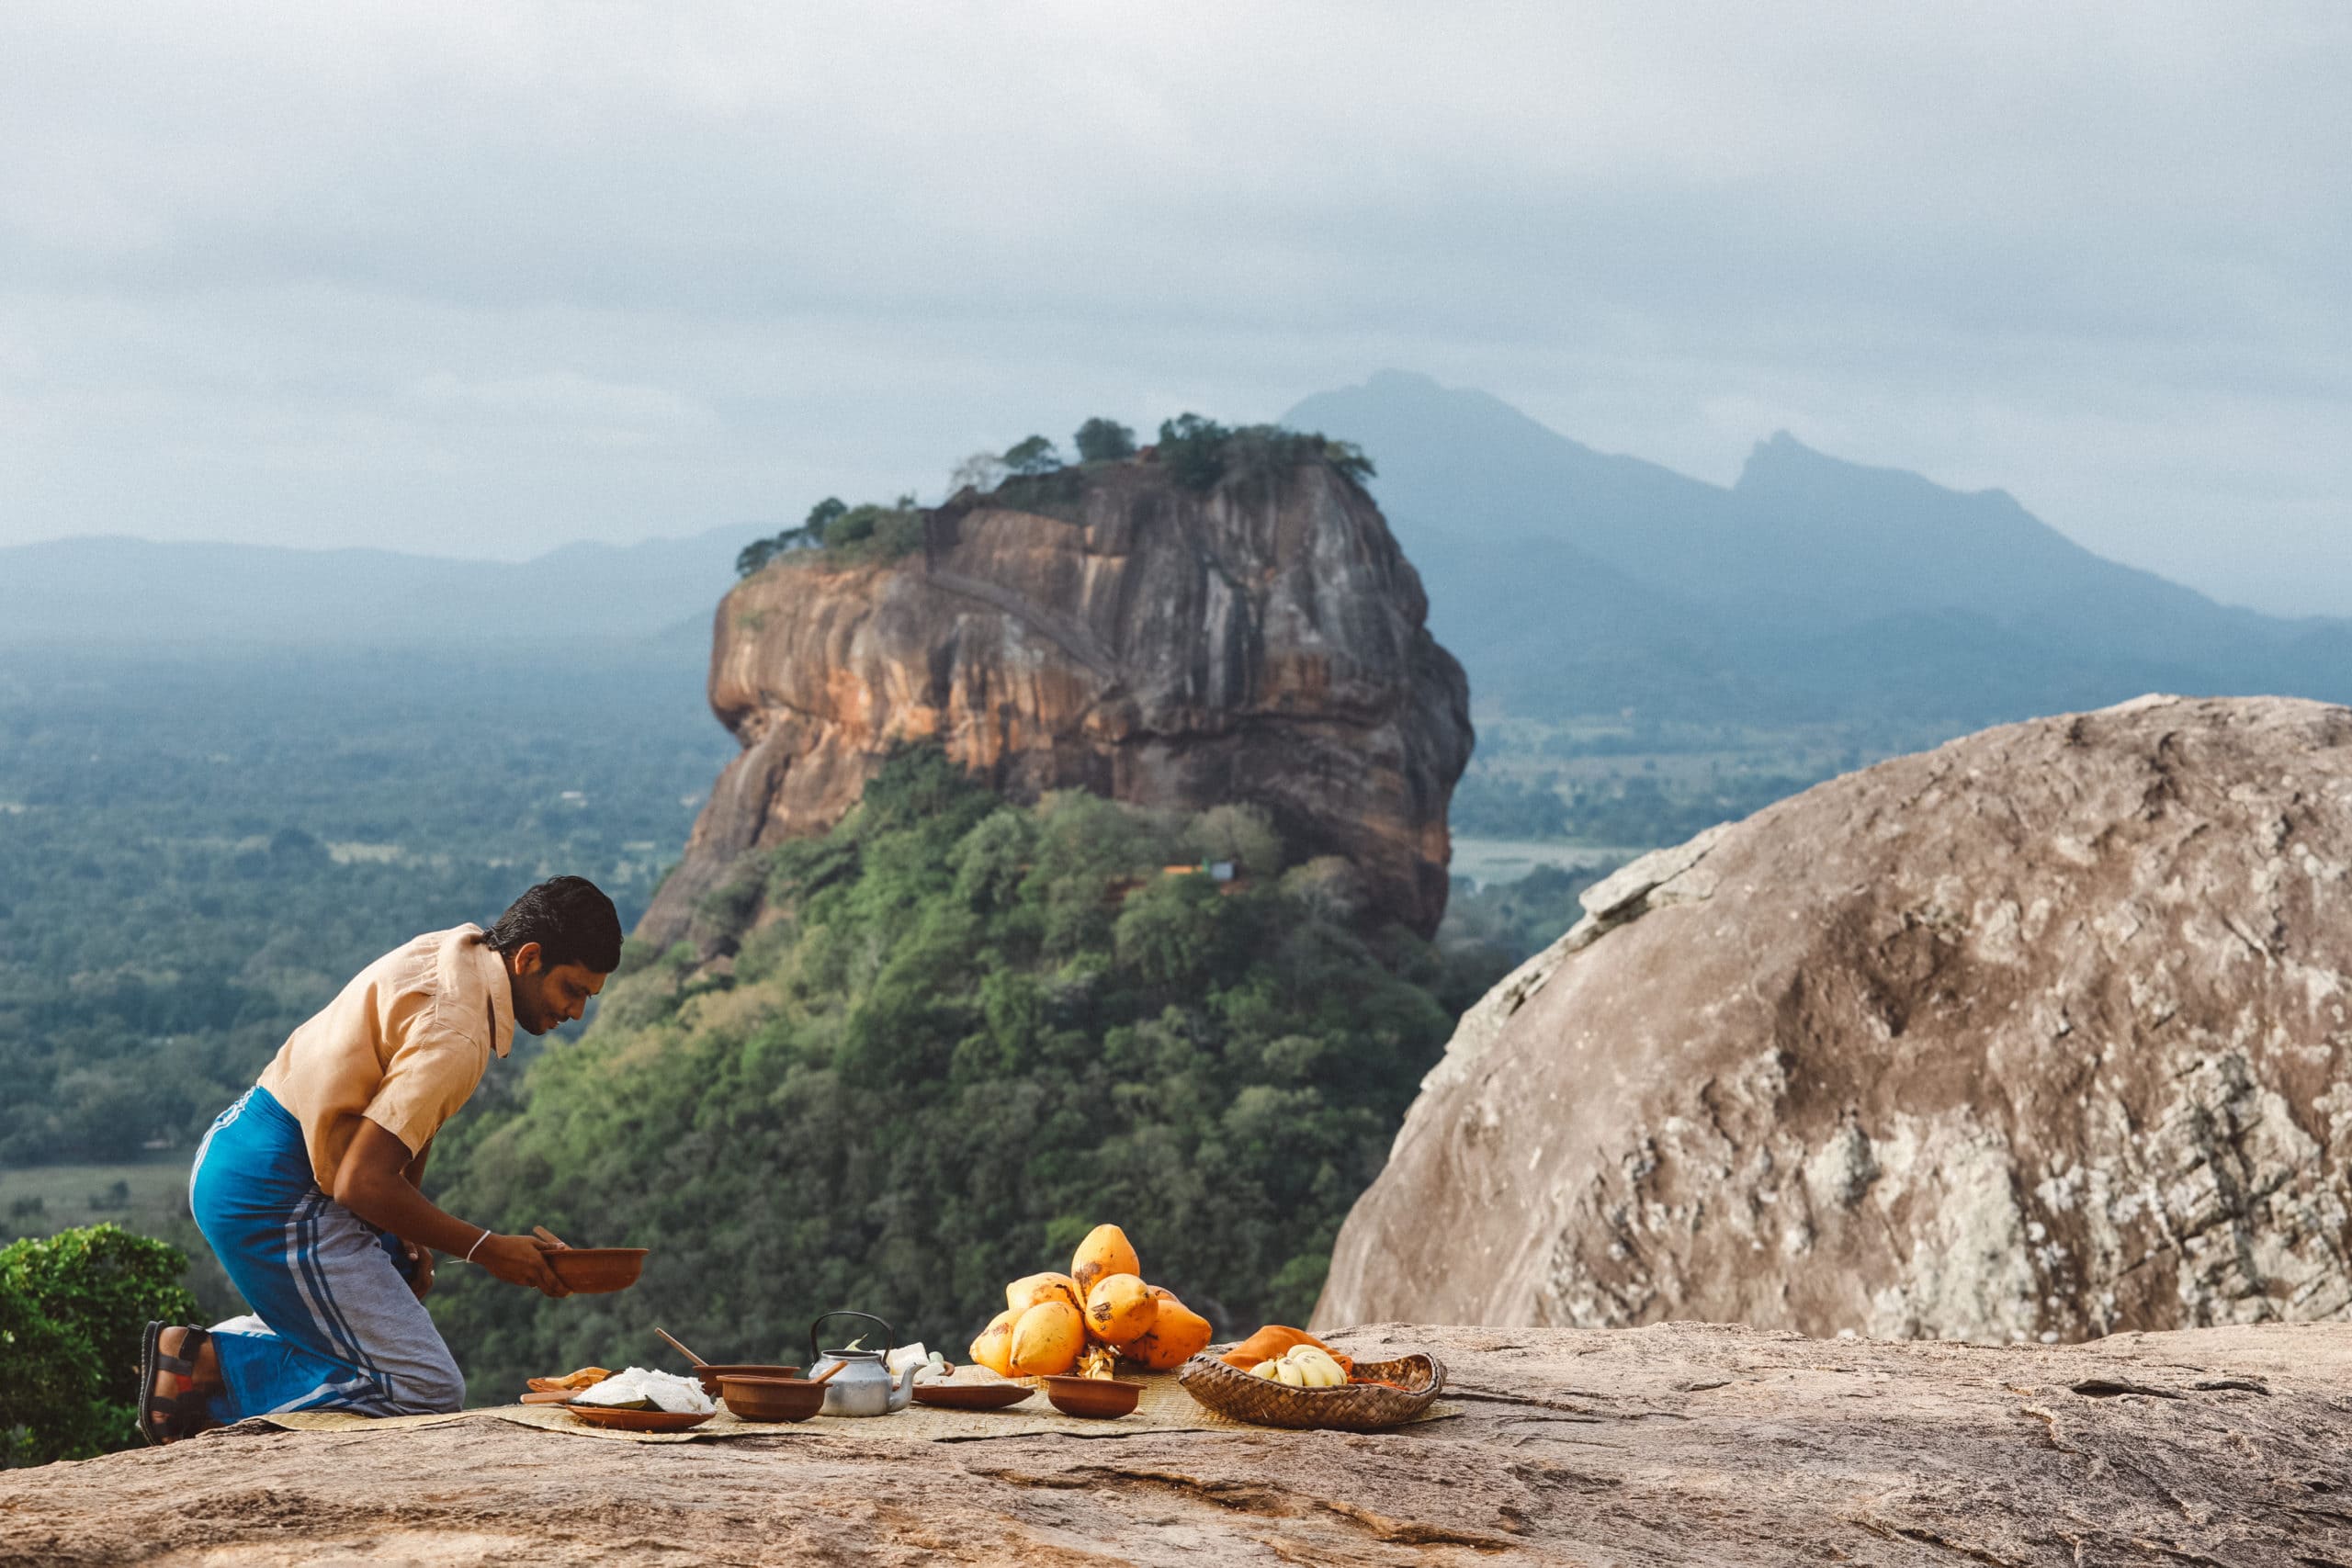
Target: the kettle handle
(888, 1332)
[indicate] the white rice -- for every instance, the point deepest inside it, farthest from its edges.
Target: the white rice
(667, 1389)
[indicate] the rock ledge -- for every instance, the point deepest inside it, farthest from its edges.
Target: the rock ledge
(1678, 1444)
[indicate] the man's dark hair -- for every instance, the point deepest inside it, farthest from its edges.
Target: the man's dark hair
(571, 920)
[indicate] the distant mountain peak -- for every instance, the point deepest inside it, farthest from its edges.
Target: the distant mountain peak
(1574, 581)
(1395, 391)
(1780, 453)
(1780, 461)
(1395, 381)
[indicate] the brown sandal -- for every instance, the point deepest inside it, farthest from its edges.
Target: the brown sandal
(166, 1418)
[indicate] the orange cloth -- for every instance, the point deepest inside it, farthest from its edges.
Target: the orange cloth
(402, 1046)
(1272, 1342)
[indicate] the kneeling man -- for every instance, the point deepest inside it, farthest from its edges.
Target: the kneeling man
(307, 1188)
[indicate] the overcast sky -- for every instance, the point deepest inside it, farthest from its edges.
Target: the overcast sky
(487, 278)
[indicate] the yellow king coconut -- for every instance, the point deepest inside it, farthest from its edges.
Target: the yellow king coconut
(1119, 1309)
(993, 1348)
(1030, 1289)
(1104, 1251)
(1047, 1340)
(1176, 1336)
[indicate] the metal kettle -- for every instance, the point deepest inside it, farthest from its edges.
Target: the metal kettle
(863, 1386)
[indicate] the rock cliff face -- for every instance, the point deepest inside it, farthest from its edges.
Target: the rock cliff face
(2040, 1035)
(1262, 642)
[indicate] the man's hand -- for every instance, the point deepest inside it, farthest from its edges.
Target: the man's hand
(375, 1182)
(421, 1260)
(521, 1260)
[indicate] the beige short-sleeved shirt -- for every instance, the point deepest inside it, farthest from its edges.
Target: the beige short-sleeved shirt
(402, 1046)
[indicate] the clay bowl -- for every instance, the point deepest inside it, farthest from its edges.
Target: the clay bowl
(592, 1270)
(971, 1395)
(771, 1399)
(711, 1371)
(1101, 1397)
(640, 1420)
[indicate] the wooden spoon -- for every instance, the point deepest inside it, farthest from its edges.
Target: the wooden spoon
(681, 1350)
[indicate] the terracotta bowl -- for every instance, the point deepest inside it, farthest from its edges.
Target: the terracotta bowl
(641, 1420)
(772, 1399)
(1092, 1396)
(971, 1395)
(713, 1372)
(592, 1270)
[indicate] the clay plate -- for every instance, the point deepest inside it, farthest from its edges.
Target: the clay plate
(771, 1399)
(1092, 1396)
(711, 1372)
(971, 1395)
(592, 1270)
(641, 1420)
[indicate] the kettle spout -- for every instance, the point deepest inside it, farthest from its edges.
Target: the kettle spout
(903, 1388)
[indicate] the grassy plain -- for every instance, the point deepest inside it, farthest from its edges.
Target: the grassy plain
(148, 1197)
(44, 1199)
(1497, 863)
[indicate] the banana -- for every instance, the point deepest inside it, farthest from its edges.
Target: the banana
(1304, 1367)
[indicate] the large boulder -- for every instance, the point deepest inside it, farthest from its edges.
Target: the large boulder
(2039, 1035)
(1258, 642)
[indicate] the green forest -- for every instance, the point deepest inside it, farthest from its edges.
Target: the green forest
(956, 1034)
(196, 853)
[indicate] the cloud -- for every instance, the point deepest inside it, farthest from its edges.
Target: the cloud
(681, 263)
(563, 397)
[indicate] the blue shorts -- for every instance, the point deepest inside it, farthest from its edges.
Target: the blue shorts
(345, 1332)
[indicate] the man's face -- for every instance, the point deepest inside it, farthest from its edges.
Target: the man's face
(544, 997)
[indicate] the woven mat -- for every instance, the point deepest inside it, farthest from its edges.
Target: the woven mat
(1163, 1407)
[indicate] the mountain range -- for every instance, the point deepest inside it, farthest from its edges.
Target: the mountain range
(1571, 582)
(132, 593)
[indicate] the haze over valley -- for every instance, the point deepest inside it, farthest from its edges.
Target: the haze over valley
(1648, 653)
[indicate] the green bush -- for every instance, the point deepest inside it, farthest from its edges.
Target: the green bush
(1034, 456)
(72, 1307)
(873, 533)
(46, 1374)
(1103, 440)
(1058, 493)
(1201, 453)
(809, 535)
(1193, 449)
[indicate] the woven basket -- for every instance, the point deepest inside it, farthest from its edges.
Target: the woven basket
(1354, 1408)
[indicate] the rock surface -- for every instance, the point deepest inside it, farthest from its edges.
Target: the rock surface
(1682, 1444)
(1262, 642)
(2039, 1035)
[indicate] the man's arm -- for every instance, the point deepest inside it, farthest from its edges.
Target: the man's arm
(420, 1257)
(373, 1182)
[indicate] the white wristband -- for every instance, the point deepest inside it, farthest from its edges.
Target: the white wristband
(477, 1246)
